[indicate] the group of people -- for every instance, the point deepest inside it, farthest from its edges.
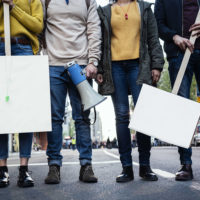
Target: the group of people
(118, 45)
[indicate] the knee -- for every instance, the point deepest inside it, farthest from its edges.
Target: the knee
(122, 115)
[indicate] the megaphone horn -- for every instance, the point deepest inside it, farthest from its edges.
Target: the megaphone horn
(89, 97)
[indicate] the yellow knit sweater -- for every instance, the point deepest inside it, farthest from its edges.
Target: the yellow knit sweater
(26, 19)
(125, 40)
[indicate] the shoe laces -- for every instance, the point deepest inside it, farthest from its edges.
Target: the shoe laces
(88, 170)
(53, 170)
(184, 168)
(1, 174)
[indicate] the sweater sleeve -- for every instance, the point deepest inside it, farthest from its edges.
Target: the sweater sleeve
(33, 22)
(1, 9)
(155, 49)
(165, 32)
(93, 32)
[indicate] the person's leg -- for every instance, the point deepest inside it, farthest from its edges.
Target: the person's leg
(143, 141)
(4, 137)
(184, 91)
(25, 146)
(83, 137)
(24, 179)
(121, 107)
(196, 58)
(82, 127)
(4, 177)
(58, 87)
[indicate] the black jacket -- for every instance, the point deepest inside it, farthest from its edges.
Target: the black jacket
(151, 55)
(168, 14)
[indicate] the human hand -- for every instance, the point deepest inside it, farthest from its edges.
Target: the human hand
(91, 71)
(99, 78)
(183, 43)
(196, 29)
(9, 2)
(155, 75)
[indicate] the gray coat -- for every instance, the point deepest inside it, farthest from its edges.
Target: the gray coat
(151, 55)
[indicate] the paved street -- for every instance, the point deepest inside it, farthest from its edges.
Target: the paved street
(165, 163)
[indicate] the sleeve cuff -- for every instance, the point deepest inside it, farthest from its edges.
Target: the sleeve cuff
(92, 60)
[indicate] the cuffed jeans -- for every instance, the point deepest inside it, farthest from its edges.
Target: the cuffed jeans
(124, 74)
(25, 139)
(184, 91)
(61, 85)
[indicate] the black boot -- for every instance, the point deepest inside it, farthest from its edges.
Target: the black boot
(4, 177)
(126, 175)
(24, 179)
(53, 176)
(87, 174)
(147, 174)
(185, 173)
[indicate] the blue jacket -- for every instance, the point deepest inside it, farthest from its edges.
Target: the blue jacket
(168, 14)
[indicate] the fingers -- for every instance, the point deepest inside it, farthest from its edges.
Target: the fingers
(91, 71)
(99, 78)
(189, 45)
(194, 27)
(7, 1)
(183, 43)
(182, 46)
(196, 33)
(155, 76)
(186, 43)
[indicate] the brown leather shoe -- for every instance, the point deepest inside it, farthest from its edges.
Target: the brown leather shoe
(185, 173)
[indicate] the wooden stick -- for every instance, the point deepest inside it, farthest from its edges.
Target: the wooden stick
(7, 29)
(185, 61)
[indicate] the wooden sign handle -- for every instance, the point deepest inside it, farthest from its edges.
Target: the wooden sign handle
(7, 29)
(185, 61)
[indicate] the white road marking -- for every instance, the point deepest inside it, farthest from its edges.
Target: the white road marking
(69, 163)
(195, 186)
(162, 173)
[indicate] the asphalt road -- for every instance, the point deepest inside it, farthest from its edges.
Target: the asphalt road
(164, 161)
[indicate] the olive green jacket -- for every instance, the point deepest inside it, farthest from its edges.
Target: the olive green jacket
(151, 54)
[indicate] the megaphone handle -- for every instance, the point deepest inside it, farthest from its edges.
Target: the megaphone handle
(84, 71)
(85, 120)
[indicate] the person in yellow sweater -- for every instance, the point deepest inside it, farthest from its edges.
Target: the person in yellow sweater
(26, 18)
(131, 56)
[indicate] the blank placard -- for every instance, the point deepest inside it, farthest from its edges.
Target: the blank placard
(165, 116)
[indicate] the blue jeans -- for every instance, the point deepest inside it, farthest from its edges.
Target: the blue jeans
(25, 139)
(60, 86)
(184, 91)
(124, 74)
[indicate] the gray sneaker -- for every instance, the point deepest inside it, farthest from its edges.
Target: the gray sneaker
(87, 174)
(53, 176)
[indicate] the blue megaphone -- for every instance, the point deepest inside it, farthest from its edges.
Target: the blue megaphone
(89, 97)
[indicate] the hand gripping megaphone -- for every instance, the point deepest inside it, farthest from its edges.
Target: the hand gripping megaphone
(89, 97)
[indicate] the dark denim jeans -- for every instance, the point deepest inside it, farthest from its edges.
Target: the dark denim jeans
(25, 139)
(124, 75)
(184, 91)
(60, 86)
